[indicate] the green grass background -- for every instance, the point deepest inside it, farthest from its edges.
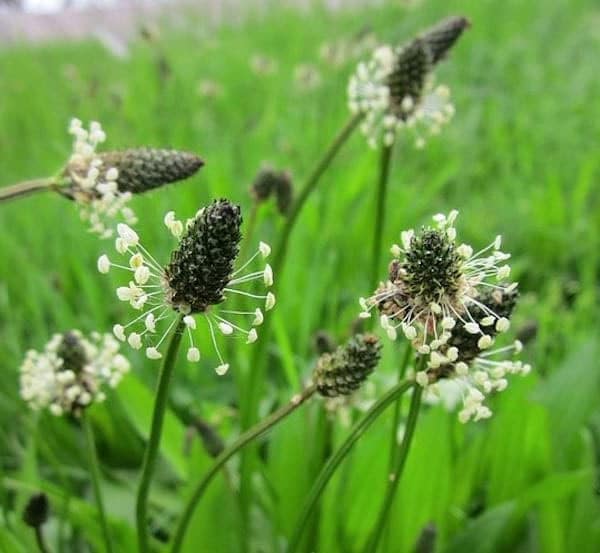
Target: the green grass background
(521, 158)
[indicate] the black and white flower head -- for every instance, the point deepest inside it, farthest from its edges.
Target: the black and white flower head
(476, 372)
(198, 280)
(396, 91)
(451, 303)
(436, 283)
(103, 183)
(71, 371)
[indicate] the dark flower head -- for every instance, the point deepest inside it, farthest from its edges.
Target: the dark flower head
(103, 183)
(37, 510)
(342, 372)
(395, 89)
(271, 182)
(441, 37)
(143, 169)
(197, 280)
(202, 264)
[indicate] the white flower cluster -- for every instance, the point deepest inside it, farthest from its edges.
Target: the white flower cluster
(476, 379)
(95, 190)
(384, 116)
(428, 323)
(449, 312)
(46, 383)
(148, 291)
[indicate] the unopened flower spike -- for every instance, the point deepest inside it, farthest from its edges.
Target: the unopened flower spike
(271, 182)
(71, 372)
(197, 281)
(103, 183)
(396, 90)
(342, 372)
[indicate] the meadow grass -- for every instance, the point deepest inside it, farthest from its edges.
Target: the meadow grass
(520, 159)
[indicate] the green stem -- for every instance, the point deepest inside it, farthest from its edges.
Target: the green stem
(382, 185)
(335, 460)
(151, 454)
(26, 187)
(250, 399)
(247, 437)
(397, 407)
(95, 474)
(398, 410)
(39, 538)
(309, 187)
(394, 477)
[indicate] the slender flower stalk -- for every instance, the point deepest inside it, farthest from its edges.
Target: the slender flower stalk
(380, 203)
(247, 437)
(94, 466)
(27, 188)
(396, 475)
(402, 368)
(339, 373)
(336, 459)
(151, 454)
(255, 377)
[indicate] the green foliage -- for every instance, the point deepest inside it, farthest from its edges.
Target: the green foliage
(519, 159)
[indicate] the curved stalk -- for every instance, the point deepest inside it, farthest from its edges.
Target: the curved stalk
(382, 185)
(397, 410)
(256, 375)
(394, 478)
(247, 437)
(39, 539)
(151, 454)
(95, 475)
(26, 188)
(335, 460)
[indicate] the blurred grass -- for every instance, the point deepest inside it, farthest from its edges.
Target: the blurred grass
(521, 159)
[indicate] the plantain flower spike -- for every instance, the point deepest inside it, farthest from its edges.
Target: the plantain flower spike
(102, 184)
(451, 303)
(343, 372)
(196, 282)
(70, 373)
(396, 91)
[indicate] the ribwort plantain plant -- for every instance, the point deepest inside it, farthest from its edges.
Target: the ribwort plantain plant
(102, 183)
(451, 305)
(66, 378)
(197, 281)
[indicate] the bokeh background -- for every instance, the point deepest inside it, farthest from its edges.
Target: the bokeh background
(244, 86)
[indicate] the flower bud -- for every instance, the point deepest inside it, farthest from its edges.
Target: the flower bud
(142, 169)
(36, 511)
(407, 80)
(441, 37)
(270, 182)
(201, 266)
(135, 170)
(343, 371)
(72, 352)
